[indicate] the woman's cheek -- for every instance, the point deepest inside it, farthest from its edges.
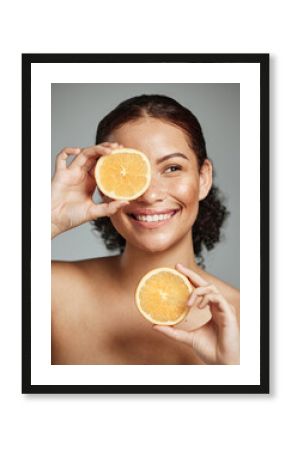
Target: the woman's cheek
(186, 191)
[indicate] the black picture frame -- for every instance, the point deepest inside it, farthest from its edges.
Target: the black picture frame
(263, 61)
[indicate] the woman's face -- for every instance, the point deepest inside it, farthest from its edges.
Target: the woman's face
(165, 213)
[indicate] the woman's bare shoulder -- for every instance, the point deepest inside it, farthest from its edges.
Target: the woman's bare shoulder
(67, 277)
(82, 267)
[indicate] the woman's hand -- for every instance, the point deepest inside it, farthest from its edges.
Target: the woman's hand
(73, 187)
(218, 341)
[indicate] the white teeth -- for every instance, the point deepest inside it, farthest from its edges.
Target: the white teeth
(153, 218)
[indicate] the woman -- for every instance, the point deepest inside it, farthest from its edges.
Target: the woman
(94, 318)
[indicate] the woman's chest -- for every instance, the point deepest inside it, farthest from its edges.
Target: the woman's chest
(114, 332)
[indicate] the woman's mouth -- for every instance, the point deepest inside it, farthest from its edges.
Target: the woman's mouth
(151, 218)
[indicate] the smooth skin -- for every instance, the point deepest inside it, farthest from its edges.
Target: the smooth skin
(94, 318)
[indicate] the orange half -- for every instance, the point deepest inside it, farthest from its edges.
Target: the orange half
(124, 174)
(162, 295)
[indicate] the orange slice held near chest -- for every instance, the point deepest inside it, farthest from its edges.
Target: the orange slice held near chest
(124, 174)
(162, 295)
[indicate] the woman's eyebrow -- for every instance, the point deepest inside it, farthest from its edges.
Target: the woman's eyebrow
(172, 155)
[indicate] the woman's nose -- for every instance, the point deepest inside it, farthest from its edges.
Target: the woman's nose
(155, 192)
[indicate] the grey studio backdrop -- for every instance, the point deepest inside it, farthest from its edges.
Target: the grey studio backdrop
(76, 110)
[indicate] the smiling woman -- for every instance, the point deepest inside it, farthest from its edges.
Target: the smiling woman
(94, 319)
(180, 121)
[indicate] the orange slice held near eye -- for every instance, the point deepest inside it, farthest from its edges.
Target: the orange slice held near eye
(124, 174)
(162, 296)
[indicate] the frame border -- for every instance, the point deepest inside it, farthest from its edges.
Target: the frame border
(263, 60)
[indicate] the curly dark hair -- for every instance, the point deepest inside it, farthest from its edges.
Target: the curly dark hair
(212, 213)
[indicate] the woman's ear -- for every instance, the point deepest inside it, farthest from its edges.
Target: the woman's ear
(205, 179)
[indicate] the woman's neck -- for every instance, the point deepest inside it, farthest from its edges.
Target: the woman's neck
(134, 262)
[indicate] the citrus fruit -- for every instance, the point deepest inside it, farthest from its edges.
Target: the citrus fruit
(161, 296)
(124, 174)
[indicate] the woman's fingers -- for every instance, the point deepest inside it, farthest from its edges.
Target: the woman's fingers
(84, 157)
(87, 154)
(202, 287)
(217, 300)
(106, 209)
(175, 333)
(223, 313)
(61, 158)
(201, 291)
(196, 279)
(207, 294)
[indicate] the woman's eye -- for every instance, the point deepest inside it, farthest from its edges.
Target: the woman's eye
(173, 168)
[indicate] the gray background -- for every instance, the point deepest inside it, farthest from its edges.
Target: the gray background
(75, 113)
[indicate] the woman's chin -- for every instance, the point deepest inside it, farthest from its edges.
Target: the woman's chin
(153, 246)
